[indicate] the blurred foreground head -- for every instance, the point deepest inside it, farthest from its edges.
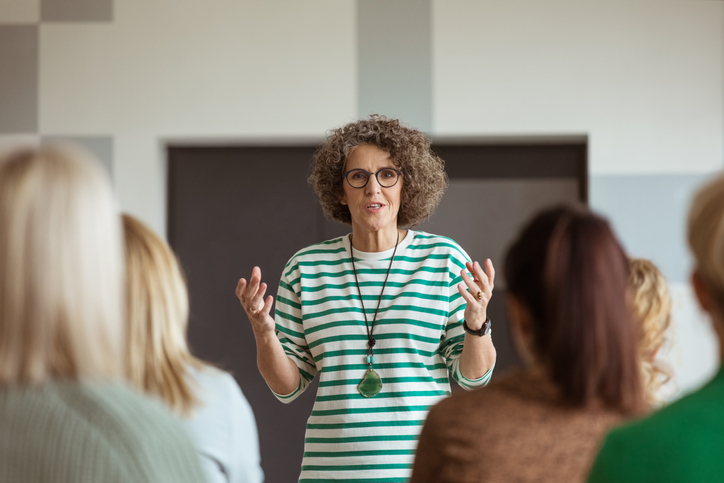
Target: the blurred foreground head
(60, 268)
(706, 240)
(567, 277)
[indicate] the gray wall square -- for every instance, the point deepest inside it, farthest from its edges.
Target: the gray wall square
(76, 10)
(395, 60)
(649, 214)
(99, 146)
(18, 79)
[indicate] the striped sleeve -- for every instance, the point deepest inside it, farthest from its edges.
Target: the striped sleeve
(452, 343)
(290, 330)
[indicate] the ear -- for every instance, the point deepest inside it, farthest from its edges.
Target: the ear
(697, 282)
(343, 198)
(518, 316)
(521, 329)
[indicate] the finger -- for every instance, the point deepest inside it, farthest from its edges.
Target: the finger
(267, 305)
(254, 282)
(469, 281)
(466, 295)
(490, 271)
(474, 293)
(479, 274)
(257, 302)
(256, 271)
(240, 287)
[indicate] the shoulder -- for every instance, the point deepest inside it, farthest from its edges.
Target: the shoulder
(683, 437)
(218, 386)
(329, 250)
(429, 243)
(458, 407)
(128, 417)
(671, 424)
(124, 430)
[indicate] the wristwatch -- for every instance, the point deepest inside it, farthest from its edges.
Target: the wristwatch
(484, 330)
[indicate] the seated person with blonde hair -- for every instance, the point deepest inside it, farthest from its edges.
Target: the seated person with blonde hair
(65, 414)
(213, 407)
(651, 304)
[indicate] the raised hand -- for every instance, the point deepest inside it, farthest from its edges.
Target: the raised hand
(257, 308)
(477, 292)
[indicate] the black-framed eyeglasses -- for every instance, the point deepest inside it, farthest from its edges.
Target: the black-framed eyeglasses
(386, 177)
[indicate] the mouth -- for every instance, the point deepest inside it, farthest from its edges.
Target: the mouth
(375, 206)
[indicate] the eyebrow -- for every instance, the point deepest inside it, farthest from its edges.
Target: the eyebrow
(383, 167)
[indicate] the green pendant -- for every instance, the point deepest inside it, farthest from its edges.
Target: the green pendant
(371, 384)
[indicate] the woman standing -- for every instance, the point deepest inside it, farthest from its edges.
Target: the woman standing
(381, 314)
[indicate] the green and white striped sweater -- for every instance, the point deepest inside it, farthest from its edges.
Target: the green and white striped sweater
(419, 337)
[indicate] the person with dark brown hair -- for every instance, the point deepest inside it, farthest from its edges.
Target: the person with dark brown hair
(567, 281)
(383, 315)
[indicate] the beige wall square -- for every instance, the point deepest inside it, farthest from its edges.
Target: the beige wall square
(19, 11)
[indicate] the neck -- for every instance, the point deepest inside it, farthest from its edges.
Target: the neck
(718, 326)
(376, 241)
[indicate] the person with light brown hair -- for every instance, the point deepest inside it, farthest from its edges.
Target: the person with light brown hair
(210, 402)
(651, 304)
(383, 315)
(567, 281)
(65, 412)
(683, 441)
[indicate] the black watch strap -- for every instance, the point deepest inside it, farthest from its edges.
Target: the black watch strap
(484, 330)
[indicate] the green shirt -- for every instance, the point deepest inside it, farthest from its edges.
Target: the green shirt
(683, 442)
(71, 432)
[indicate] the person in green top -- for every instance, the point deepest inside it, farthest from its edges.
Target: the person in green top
(683, 442)
(66, 416)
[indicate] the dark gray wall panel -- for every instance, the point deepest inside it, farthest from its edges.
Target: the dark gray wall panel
(484, 215)
(395, 60)
(18, 79)
(229, 210)
(76, 10)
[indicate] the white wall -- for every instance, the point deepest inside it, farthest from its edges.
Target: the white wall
(643, 78)
(220, 68)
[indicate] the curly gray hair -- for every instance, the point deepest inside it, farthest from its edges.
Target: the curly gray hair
(425, 180)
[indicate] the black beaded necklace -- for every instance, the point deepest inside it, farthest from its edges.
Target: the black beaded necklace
(371, 383)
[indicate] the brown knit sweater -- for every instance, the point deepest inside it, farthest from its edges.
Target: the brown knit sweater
(514, 430)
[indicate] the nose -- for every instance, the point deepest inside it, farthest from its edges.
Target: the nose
(373, 186)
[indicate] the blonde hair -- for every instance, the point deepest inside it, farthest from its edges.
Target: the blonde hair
(157, 317)
(651, 304)
(706, 238)
(61, 270)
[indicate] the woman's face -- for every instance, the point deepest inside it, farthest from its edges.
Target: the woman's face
(373, 208)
